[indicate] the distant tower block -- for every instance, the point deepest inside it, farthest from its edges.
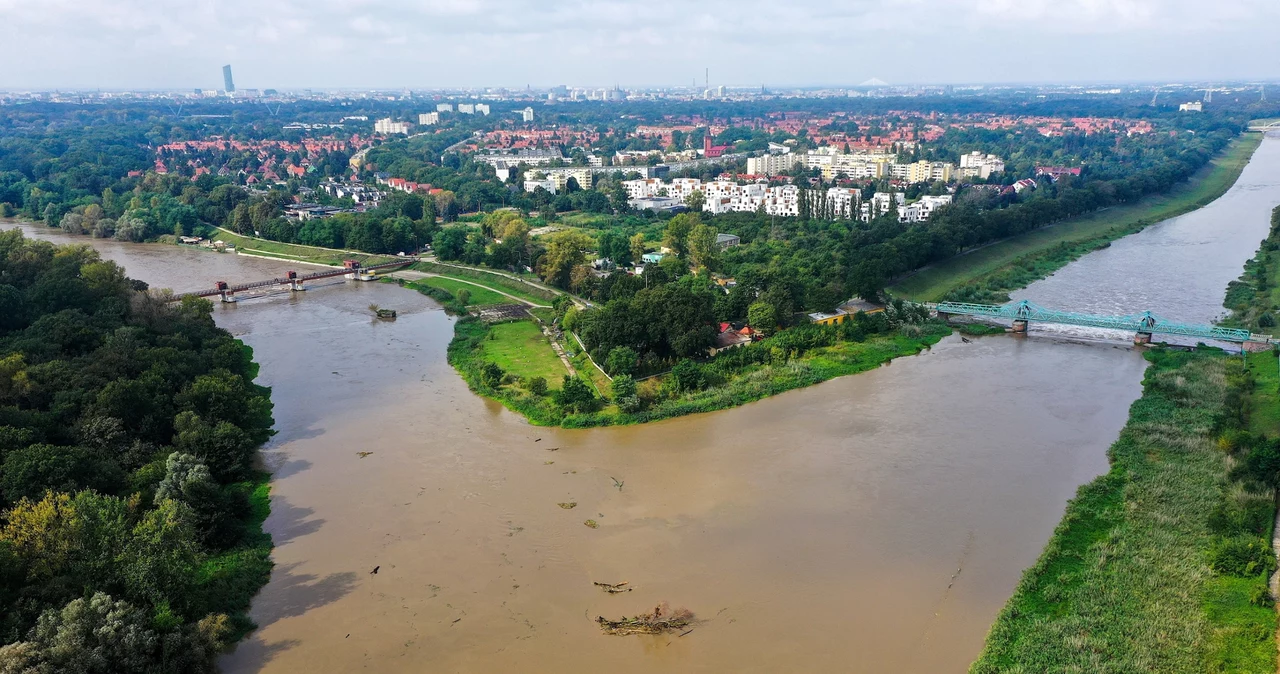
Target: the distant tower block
(228, 84)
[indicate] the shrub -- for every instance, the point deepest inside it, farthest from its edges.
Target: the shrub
(538, 386)
(464, 296)
(623, 386)
(491, 375)
(630, 404)
(1242, 556)
(687, 376)
(576, 396)
(622, 360)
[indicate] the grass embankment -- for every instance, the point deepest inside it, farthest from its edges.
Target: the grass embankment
(1160, 565)
(1254, 299)
(293, 251)
(507, 284)
(989, 273)
(479, 296)
(734, 378)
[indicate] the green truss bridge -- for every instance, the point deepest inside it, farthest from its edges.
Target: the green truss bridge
(1143, 325)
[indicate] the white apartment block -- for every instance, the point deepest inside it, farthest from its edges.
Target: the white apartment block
(723, 196)
(833, 164)
(977, 165)
(844, 202)
(444, 107)
(532, 185)
(771, 164)
(561, 177)
(923, 209)
(526, 115)
(467, 108)
(482, 108)
(879, 205)
(428, 118)
(389, 126)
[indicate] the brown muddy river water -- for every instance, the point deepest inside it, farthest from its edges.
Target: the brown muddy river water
(874, 523)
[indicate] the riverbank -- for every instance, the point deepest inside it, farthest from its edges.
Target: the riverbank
(1162, 563)
(1254, 298)
(987, 274)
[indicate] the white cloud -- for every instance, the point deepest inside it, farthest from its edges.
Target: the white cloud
(123, 43)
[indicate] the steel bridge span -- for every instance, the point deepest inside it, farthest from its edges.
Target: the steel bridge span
(1143, 325)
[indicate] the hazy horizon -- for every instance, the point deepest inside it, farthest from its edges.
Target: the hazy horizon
(439, 44)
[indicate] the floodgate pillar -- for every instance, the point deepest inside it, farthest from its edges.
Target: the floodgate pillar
(1020, 327)
(1142, 338)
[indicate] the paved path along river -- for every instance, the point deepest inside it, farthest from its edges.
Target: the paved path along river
(873, 523)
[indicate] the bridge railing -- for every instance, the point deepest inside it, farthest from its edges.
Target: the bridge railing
(1145, 322)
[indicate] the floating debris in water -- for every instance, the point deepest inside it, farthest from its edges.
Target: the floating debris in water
(613, 588)
(568, 506)
(662, 620)
(363, 454)
(592, 523)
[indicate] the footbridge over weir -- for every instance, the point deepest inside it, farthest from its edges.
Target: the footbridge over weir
(294, 281)
(1143, 325)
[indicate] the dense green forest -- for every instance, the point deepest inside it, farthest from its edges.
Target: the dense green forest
(131, 535)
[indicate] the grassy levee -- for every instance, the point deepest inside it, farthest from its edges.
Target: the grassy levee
(1144, 573)
(479, 296)
(506, 284)
(990, 272)
(295, 252)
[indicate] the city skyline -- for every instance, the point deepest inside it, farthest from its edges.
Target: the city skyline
(439, 44)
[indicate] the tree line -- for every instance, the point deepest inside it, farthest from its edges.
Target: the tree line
(131, 536)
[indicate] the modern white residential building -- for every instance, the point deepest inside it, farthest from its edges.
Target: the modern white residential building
(526, 115)
(531, 185)
(879, 205)
(444, 107)
(467, 108)
(482, 108)
(978, 165)
(923, 209)
(530, 156)
(772, 164)
(389, 126)
(428, 118)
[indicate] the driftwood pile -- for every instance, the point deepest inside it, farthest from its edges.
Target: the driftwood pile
(662, 620)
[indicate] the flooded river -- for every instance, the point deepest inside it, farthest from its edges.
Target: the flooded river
(874, 523)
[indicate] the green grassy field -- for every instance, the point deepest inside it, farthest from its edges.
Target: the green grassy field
(519, 347)
(505, 284)
(290, 251)
(1094, 230)
(1134, 579)
(480, 297)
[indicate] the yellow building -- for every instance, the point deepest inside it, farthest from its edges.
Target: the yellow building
(822, 318)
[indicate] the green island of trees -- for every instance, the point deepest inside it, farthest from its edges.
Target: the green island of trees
(131, 537)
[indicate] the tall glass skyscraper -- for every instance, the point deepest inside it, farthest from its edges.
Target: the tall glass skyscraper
(228, 84)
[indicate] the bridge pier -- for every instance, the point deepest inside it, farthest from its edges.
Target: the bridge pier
(1020, 326)
(1141, 338)
(296, 285)
(228, 296)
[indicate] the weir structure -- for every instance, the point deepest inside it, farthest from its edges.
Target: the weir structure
(295, 282)
(1143, 325)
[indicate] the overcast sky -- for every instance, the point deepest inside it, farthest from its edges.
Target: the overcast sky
(116, 44)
